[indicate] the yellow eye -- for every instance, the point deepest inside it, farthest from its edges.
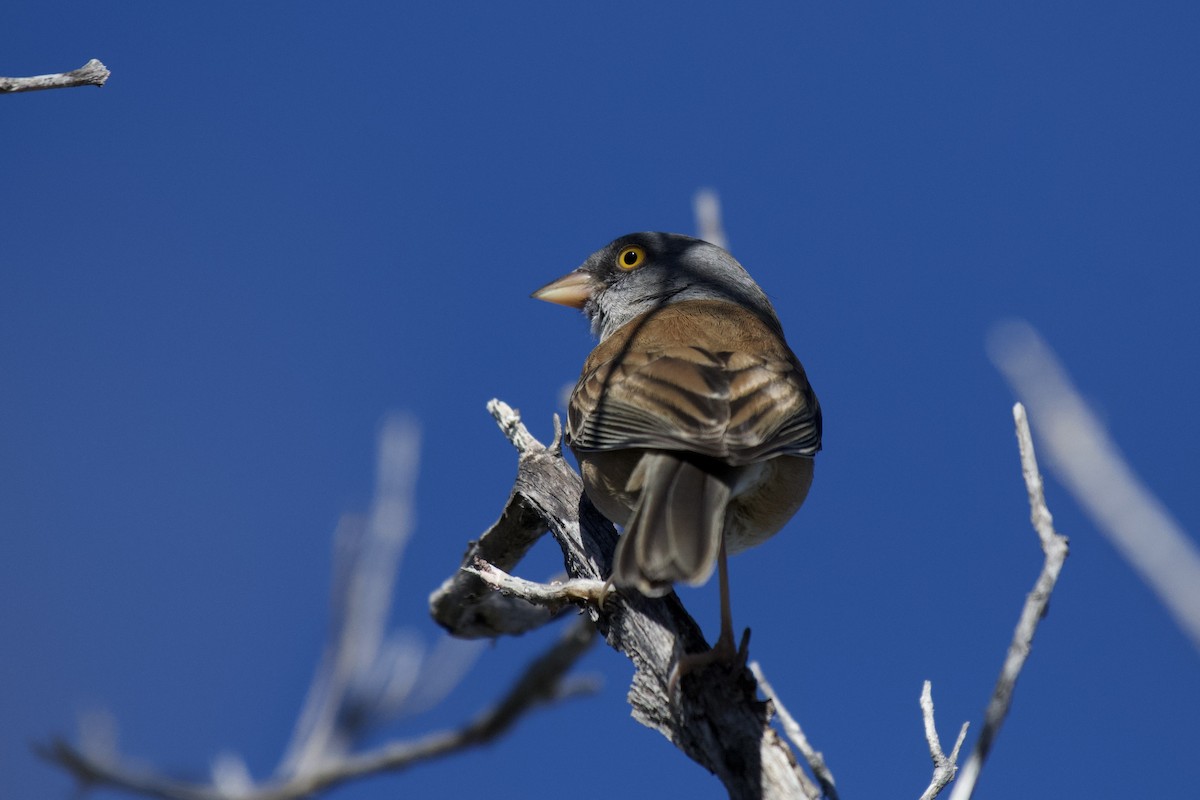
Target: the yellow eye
(631, 257)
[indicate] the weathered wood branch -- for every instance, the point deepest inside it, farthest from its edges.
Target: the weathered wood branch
(714, 715)
(93, 73)
(795, 734)
(945, 767)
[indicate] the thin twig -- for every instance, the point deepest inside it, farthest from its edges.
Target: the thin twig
(944, 766)
(93, 73)
(1054, 546)
(551, 595)
(816, 761)
(541, 682)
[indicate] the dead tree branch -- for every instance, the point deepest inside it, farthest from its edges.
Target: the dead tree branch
(714, 717)
(944, 766)
(93, 73)
(1055, 548)
(552, 595)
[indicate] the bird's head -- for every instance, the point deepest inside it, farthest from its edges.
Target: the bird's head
(640, 272)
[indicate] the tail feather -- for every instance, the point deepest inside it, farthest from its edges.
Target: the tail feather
(674, 531)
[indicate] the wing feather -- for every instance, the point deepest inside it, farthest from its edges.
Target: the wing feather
(734, 392)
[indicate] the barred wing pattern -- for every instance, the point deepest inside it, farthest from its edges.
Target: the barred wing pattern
(738, 406)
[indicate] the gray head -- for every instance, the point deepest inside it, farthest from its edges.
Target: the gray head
(643, 271)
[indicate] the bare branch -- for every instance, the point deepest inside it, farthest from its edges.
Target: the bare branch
(944, 766)
(552, 595)
(1054, 546)
(93, 73)
(368, 675)
(509, 420)
(541, 682)
(1086, 459)
(464, 604)
(816, 762)
(365, 678)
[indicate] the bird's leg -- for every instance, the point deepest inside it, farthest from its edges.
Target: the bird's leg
(724, 649)
(724, 646)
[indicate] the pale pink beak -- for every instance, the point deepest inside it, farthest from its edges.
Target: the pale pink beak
(572, 290)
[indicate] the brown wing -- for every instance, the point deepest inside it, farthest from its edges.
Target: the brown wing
(734, 391)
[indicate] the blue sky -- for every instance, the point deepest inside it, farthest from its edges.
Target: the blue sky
(279, 222)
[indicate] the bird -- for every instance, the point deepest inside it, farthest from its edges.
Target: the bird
(693, 422)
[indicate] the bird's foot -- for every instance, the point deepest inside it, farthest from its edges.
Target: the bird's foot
(723, 652)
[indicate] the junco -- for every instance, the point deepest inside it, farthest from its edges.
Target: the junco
(693, 422)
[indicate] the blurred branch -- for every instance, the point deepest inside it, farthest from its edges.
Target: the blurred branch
(713, 716)
(542, 682)
(365, 677)
(93, 73)
(360, 681)
(706, 206)
(1054, 546)
(1088, 462)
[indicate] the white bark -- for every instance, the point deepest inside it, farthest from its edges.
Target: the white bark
(93, 73)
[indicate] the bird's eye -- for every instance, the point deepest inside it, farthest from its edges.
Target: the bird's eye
(631, 257)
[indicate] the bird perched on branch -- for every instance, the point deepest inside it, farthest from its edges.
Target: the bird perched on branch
(693, 422)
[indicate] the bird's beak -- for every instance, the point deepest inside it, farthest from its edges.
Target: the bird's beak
(572, 289)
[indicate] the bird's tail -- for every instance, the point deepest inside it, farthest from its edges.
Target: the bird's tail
(674, 531)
